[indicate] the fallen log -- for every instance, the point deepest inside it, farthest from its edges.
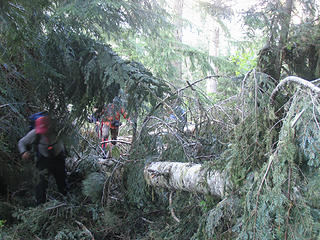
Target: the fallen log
(189, 177)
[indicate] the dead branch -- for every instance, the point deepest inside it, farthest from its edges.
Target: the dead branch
(292, 79)
(189, 85)
(180, 139)
(171, 208)
(85, 229)
(296, 118)
(314, 112)
(107, 184)
(118, 141)
(56, 206)
(147, 221)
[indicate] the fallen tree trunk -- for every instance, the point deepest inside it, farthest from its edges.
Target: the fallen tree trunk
(186, 176)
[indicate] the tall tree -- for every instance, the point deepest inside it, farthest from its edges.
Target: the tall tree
(285, 19)
(213, 48)
(177, 11)
(216, 12)
(291, 46)
(164, 53)
(270, 58)
(302, 52)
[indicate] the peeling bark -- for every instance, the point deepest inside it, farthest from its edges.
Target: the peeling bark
(186, 176)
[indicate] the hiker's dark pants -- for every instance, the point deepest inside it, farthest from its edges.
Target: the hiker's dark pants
(105, 135)
(47, 166)
(114, 135)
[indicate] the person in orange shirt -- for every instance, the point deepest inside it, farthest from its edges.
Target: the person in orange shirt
(110, 122)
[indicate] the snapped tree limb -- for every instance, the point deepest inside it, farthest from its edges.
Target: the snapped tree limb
(302, 82)
(186, 176)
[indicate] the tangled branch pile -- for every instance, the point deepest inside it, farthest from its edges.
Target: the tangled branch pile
(269, 151)
(271, 157)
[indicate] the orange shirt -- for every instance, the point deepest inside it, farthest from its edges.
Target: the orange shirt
(110, 114)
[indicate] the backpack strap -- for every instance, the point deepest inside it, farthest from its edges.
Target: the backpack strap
(37, 140)
(36, 143)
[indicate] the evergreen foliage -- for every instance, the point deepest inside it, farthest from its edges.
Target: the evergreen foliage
(295, 41)
(57, 64)
(270, 152)
(93, 186)
(273, 174)
(282, 193)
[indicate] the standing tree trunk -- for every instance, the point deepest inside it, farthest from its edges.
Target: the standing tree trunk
(178, 10)
(285, 18)
(214, 44)
(270, 57)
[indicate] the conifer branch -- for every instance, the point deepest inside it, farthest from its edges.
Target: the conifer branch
(290, 205)
(258, 194)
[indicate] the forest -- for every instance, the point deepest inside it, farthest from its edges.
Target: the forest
(222, 134)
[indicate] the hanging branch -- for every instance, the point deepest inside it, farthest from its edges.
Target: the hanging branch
(302, 82)
(107, 186)
(171, 208)
(290, 205)
(258, 194)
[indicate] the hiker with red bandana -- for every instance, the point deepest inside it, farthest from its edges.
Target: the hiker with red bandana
(50, 153)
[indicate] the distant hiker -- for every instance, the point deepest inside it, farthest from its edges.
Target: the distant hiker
(50, 154)
(94, 118)
(182, 117)
(111, 122)
(179, 116)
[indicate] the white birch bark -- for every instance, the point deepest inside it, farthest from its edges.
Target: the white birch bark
(186, 176)
(213, 46)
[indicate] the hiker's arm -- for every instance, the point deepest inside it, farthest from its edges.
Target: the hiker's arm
(26, 141)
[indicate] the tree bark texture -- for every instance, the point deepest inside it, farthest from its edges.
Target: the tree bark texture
(187, 177)
(285, 26)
